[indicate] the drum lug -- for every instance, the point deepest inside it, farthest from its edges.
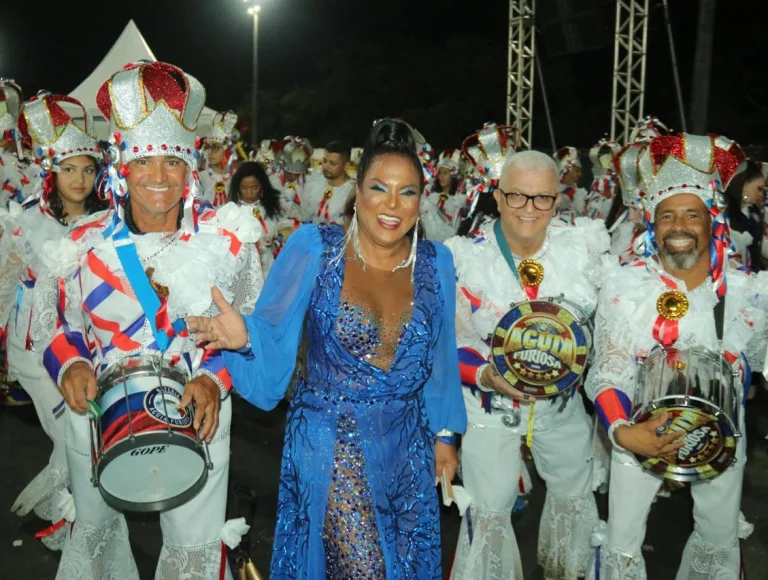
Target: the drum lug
(511, 420)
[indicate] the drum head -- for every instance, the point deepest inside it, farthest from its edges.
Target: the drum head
(153, 472)
(709, 446)
(540, 347)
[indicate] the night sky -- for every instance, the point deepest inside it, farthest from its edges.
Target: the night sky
(328, 68)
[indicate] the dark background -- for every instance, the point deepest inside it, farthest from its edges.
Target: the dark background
(328, 68)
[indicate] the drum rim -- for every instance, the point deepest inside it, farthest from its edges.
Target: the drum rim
(154, 506)
(691, 474)
(587, 331)
(113, 376)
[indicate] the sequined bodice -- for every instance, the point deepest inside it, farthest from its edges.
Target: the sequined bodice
(367, 357)
(366, 337)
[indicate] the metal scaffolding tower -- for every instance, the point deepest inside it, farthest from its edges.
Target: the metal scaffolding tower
(521, 67)
(628, 67)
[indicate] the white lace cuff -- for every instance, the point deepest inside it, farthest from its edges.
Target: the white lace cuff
(69, 363)
(209, 374)
(613, 428)
(478, 382)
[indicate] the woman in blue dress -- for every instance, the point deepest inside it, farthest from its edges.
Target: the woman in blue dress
(372, 420)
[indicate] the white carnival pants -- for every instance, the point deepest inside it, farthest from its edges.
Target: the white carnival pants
(99, 549)
(712, 551)
(49, 405)
(491, 463)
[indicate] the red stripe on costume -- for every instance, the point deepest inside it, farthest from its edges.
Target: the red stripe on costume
(120, 340)
(469, 361)
(63, 350)
(101, 270)
(474, 301)
(78, 233)
(234, 243)
(611, 408)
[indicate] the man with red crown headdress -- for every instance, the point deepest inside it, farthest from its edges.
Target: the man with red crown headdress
(126, 280)
(221, 158)
(676, 334)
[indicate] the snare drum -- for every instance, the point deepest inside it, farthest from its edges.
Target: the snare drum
(540, 347)
(146, 453)
(699, 389)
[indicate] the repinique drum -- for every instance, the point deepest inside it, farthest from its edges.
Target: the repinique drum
(540, 347)
(698, 388)
(147, 455)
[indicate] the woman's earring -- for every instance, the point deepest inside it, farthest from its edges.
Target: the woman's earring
(411, 259)
(352, 235)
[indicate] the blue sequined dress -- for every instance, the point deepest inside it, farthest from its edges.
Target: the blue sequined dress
(357, 494)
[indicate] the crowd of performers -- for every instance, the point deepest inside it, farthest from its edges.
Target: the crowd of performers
(428, 316)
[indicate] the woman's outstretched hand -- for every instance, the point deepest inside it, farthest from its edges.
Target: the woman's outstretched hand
(226, 331)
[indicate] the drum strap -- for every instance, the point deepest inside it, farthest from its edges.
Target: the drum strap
(153, 308)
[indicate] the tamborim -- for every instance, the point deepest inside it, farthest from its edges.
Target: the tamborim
(540, 347)
(698, 389)
(147, 455)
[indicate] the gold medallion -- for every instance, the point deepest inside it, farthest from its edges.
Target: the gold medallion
(161, 291)
(672, 305)
(328, 193)
(531, 272)
(219, 187)
(256, 213)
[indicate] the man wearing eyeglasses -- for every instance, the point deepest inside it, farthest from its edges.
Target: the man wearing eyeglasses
(524, 257)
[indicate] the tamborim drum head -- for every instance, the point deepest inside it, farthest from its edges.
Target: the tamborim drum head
(540, 347)
(709, 447)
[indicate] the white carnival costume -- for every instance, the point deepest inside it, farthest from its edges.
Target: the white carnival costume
(48, 122)
(485, 151)
(324, 203)
(275, 232)
(627, 232)
(574, 198)
(440, 210)
(558, 430)
(14, 183)
(643, 309)
(266, 156)
(216, 183)
(604, 184)
(293, 162)
(122, 297)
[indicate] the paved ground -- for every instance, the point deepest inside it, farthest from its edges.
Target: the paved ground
(256, 442)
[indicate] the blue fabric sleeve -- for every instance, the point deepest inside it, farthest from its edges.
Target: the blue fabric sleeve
(262, 376)
(442, 393)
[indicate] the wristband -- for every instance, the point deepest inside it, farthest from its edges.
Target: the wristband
(447, 437)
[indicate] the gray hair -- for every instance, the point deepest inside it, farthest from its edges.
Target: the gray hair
(530, 161)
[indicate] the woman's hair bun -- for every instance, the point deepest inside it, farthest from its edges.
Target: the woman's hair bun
(391, 136)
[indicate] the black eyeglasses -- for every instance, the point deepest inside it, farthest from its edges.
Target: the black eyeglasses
(516, 200)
